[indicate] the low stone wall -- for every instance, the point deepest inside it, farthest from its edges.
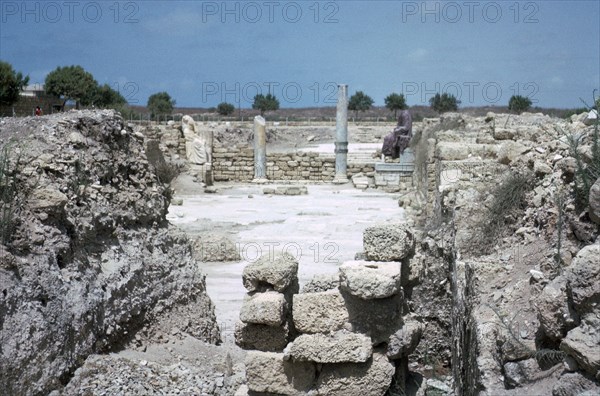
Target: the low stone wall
(346, 333)
(237, 164)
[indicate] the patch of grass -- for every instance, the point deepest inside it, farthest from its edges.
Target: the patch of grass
(8, 192)
(166, 172)
(586, 173)
(507, 203)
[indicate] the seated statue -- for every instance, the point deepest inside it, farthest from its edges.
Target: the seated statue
(398, 140)
(196, 145)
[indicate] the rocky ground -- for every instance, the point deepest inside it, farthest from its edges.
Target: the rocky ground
(100, 295)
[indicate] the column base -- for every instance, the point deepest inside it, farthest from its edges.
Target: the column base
(340, 179)
(260, 180)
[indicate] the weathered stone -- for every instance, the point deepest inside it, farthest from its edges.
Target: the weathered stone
(369, 279)
(269, 372)
(338, 347)
(509, 151)
(594, 202)
(319, 312)
(583, 279)
(403, 342)
(264, 308)
(541, 168)
(261, 337)
(554, 313)
(77, 139)
(504, 133)
(575, 384)
(583, 343)
(568, 167)
(322, 282)
(47, 199)
(520, 373)
(372, 378)
(278, 271)
(388, 242)
(215, 247)
(377, 318)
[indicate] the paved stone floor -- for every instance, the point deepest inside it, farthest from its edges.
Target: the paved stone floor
(322, 230)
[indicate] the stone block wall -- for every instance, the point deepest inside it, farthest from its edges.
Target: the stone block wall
(237, 164)
(344, 334)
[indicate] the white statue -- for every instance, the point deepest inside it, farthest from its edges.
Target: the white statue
(197, 147)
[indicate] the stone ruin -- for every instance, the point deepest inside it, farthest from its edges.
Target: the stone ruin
(347, 333)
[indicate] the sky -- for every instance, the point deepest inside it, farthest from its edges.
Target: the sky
(207, 52)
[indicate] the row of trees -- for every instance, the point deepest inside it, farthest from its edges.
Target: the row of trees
(73, 83)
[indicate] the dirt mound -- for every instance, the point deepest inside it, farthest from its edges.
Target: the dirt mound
(86, 255)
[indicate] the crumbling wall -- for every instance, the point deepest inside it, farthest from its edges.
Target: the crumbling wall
(515, 325)
(344, 334)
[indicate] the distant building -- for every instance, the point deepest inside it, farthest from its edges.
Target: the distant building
(33, 91)
(32, 95)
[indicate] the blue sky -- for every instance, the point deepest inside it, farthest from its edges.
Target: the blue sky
(206, 52)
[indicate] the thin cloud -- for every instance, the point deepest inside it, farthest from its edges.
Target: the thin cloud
(418, 55)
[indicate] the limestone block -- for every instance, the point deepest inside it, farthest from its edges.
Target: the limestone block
(319, 312)
(261, 337)
(372, 378)
(269, 372)
(264, 308)
(377, 318)
(277, 271)
(370, 279)
(338, 347)
(388, 242)
(322, 282)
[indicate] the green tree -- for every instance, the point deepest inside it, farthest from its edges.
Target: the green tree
(360, 102)
(70, 83)
(518, 103)
(160, 104)
(11, 84)
(395, 102)
(103, 96)
(265, 103)
(225, 109)
(444, 102)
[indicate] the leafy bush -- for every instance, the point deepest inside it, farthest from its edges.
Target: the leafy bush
(11, 84)
(265, 103)
(360, 102)
(225, 109)
(518, 103)
(104, 97)
(70, 83)
(160, 104)
(395, 102)
(444, 102)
